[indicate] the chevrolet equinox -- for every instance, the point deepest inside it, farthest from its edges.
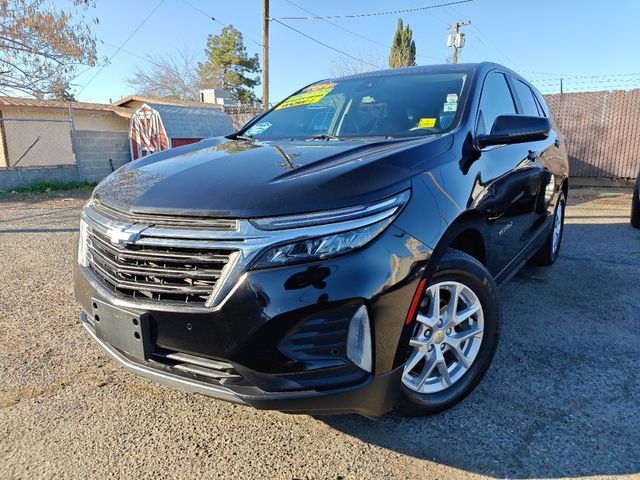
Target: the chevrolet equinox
(339, 253)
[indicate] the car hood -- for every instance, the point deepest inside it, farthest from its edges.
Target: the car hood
(219, 177)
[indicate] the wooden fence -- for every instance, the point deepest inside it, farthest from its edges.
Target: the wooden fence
(602, 130)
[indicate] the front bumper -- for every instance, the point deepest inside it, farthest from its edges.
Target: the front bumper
(258, 330)
(372, 398)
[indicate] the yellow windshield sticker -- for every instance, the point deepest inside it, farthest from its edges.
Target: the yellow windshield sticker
(308, 96)
(427, 123)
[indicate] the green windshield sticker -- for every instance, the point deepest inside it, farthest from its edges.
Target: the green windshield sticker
(308, 96)
(450, 107)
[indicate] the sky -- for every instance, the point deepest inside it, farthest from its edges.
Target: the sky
(591, 44)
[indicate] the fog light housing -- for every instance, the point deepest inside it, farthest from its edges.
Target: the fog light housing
(359, 348)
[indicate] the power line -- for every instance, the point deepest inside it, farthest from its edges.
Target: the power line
(199, 10)
(595, 77)
(373, 14)
(324, 44)
(480, 34)
(108, 60)
(433, 14)
(129, 52)
(351, 31)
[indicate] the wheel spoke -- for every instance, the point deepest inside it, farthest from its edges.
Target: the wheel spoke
(429, 321)
(455, 348)
(417, 342)
(442, 368)
(413, 360)
(467, 334)
(452, 307)
(435, 303)
(466, 313)
(427, 370)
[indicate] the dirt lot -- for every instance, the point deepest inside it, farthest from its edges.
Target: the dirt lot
(562, 398)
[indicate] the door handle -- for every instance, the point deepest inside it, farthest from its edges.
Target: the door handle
(533, 156)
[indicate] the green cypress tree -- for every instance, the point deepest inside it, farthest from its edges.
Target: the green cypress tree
(403, 49)
(228, 64)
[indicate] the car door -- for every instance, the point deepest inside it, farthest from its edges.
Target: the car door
(542, 153)
(515, 179)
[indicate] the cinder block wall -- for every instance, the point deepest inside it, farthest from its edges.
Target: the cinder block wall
(23, 177)
(93, 150)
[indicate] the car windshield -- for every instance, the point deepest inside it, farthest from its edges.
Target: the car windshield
(389, 105)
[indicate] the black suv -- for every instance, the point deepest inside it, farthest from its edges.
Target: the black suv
(340, 253)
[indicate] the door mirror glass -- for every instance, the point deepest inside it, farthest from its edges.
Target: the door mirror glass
(509, 129)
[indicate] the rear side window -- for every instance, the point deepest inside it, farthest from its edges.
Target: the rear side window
(527, 100)
(542, 106)
(496, 100)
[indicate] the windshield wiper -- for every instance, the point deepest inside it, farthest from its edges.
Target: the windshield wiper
(325, 136)
(244, 137)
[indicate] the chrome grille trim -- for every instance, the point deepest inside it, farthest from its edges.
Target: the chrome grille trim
(166, 221)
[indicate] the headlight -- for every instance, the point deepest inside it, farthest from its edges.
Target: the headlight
(322, 247)
(318, 235)
(83, 257)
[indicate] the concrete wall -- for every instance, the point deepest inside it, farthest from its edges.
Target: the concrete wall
(23, 177)
(95, 148)
(99, 121)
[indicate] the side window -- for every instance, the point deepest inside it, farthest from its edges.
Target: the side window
(496, 100)
(544, 110)
(527, 100)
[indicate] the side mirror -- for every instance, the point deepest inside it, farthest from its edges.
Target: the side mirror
(509, 129)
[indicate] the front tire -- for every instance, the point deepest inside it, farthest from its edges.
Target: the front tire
(454, 338)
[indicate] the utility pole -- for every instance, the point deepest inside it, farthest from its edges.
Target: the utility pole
(265, 54)
(456, 38)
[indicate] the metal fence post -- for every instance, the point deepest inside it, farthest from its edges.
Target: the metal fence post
(73, 142)
(3, 139)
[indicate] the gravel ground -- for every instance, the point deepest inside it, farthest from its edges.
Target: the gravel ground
(562, 398)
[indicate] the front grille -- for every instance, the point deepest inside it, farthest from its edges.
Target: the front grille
(166, 221)
(162, 272)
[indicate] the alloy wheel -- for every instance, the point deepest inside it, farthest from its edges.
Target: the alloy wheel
(446, 339)
(557, 227)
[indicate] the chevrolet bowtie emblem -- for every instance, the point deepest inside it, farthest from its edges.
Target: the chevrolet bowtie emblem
(121, 236)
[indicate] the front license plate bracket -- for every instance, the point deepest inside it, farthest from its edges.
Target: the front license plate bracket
(125, 330)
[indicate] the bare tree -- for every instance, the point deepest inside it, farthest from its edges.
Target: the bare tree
(41, 46)
(364, 62)
(171, 76)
